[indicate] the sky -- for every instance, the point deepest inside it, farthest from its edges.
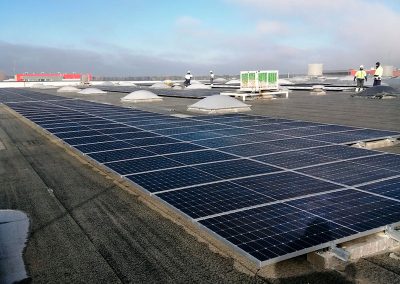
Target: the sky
(161, 38)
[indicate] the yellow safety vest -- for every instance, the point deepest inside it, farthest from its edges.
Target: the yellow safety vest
(361, 74)
(379, 71)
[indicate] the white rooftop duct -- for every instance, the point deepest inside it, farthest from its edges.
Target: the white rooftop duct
(141, 96)
(197, 87)
(318, 90)
(159, 85)
(91, 91)
(219, 104)
(68, 89)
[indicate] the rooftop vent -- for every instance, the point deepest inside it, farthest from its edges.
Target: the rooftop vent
(141, 96)
(91, 91)
(219, 104)
(68, 89)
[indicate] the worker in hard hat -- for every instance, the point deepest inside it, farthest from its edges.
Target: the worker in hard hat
(378, 74)
(188, 77)
(360, 76)
(211, 78)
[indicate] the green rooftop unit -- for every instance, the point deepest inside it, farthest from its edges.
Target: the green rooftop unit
(257, 81)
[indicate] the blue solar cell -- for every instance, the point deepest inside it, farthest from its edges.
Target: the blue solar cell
(348, 173)
(75, 134)
(173, 148)
(341, 152)
(253, 149)
(389, 188)
(116, 155)
(273, 231)
(233, 131)
(58, 125)
(120, 129)
(302, 132)
(293, 159)
(94, 122)
(172, 125)
(142, 165)
(335, 128)
(68, 129)
(386, 161)
(135, 135)
(105, 126)
(222, 142)
(354, 136)
(171, 179)
(153, 141)
(206, 156)
(246, 123)
(286, 185)
(356, 210)
(236, 168)
(196, 136)
(262, 137)
(296, 143)
(104, 146)
(201, 201)
(88, 140)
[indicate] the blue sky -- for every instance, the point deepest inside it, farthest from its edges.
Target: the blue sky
(123, 37)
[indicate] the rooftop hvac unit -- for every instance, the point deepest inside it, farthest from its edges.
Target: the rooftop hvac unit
(257, 81)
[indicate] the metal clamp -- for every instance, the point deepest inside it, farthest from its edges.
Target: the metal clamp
(393, 233)
(340, 253)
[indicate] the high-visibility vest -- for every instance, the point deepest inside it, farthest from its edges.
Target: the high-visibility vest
(378, 72)
(361, 74)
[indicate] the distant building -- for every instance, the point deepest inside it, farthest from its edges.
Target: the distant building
(47, 77)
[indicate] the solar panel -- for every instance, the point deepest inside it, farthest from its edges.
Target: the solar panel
(253, 149)
(210, 199)
(171, 179)
(266, 191)
(387, 161)
(348, 173)
(236, 168)
(104, 146)
(221, 142)
(193, 136)
(286, 185)
(294, 159)
(356, 210)
(274, 231)
(89, 140)
(173, 148)
(341, 152)
(389, 188)
(198, 157)
(142, 165)
(122, 154)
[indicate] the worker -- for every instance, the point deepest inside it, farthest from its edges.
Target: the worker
(360, 76)
(211, 78)
(188, 77)
(378, 74)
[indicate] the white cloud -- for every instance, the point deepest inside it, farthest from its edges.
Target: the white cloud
(271, 27)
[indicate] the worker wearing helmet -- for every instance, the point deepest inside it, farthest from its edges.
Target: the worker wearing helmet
(360, 76)
(378, 74)
(188, 77)
(211, 78)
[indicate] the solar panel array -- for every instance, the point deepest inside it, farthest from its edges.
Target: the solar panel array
(271, 188)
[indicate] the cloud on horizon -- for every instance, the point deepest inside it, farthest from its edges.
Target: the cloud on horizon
(284, 35)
